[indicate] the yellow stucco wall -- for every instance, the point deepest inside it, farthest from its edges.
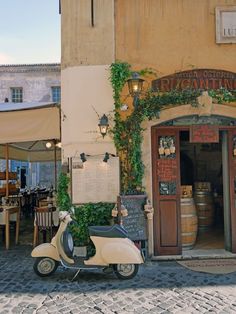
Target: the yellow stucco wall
(83, 44)
(171, 35)
(167, 35)
(86, 93)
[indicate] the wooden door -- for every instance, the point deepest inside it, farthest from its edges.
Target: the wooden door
(232, 185)
(166, 191)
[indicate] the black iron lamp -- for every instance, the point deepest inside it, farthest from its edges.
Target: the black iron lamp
(103, 125)
(106, 157)
(83, 157)
(135, 85)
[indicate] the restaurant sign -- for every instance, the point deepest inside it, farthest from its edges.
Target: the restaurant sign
(204, 134)
(196, 79)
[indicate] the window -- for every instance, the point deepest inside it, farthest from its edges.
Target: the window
(56, 94)
(16, 94)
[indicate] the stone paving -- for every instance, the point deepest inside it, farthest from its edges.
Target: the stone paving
(159, 287)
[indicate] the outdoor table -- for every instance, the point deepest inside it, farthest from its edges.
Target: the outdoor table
(7, 214)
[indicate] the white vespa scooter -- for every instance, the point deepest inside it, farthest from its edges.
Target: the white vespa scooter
(113, 249)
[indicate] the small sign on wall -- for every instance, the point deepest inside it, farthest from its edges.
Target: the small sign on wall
(226, 25)
(204, 133)
(94, 180)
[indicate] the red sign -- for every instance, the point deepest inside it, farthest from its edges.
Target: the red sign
(204, 134)
(167, 169)
(196, 79)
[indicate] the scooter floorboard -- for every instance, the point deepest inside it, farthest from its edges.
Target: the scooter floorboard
(79, 264)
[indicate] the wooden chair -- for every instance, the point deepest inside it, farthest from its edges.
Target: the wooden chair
(6, 218)
(43, 222)
(43, 202)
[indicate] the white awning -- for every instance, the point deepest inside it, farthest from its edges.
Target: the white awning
(25, 122)
(33, 123)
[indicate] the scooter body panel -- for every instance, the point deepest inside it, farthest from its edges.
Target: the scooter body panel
(114, 251)
(46, 250)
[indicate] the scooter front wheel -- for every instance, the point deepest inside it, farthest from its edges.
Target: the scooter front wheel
(45, 266)
(125, 271)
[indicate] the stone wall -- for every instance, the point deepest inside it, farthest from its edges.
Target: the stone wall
(36, 81)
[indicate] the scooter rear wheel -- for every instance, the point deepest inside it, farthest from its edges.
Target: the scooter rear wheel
(125, 271)
(45, 266)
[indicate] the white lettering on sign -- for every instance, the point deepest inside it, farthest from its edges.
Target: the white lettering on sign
(226, 25)
(229, 24)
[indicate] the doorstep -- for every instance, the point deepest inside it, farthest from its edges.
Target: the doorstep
(196, 254)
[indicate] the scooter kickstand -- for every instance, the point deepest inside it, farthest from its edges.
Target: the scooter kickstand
(76, 274)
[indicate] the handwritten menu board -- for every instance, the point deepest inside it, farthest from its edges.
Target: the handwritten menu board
(204, 133)
(95, 180)
(167, 169)
(135, 223)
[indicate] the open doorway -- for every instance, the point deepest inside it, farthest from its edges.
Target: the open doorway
(202, 188)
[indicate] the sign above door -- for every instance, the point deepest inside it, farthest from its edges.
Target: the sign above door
(204, 134)
(196, 79)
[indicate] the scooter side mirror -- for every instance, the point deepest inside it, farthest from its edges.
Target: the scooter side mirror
(63, 214)
(72, 210)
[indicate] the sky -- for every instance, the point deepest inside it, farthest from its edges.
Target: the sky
(29, 31)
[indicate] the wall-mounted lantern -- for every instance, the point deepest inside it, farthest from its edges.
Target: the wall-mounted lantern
(135, 85)
(103, 125)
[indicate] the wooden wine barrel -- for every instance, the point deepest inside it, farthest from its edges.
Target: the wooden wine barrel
(189, 223)
(202, 186)
(205, 209)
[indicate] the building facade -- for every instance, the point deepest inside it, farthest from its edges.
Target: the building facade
(191, 45)
(30, 82)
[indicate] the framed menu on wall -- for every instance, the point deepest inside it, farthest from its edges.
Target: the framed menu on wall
(94, 180)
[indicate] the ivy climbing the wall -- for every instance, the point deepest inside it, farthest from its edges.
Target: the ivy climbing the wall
(127, 132)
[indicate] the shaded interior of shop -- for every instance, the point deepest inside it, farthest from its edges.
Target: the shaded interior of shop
(201, 192)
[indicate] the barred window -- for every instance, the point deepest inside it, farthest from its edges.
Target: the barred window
(56, 94)
(17, 94)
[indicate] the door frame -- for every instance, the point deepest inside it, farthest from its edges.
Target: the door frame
(232, 196)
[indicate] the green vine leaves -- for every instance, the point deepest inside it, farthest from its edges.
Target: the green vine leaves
(127, 133)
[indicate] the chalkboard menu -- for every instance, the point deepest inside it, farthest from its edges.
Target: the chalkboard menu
(135, 223)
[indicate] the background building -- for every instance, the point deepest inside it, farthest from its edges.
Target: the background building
(31, 83)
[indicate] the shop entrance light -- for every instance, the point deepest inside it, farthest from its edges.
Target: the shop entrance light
(106, 157)
(103, 125)
(135, 85)
(83, 157)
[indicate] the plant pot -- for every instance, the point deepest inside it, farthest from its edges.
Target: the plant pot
(80, 251)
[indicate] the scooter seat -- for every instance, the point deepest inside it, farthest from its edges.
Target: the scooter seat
(114, 231)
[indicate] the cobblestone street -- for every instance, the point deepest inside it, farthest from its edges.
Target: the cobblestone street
(159, 287)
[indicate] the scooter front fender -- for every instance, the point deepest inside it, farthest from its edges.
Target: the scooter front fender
(46, 250)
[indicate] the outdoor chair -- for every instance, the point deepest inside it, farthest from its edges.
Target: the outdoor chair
(43, 222)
